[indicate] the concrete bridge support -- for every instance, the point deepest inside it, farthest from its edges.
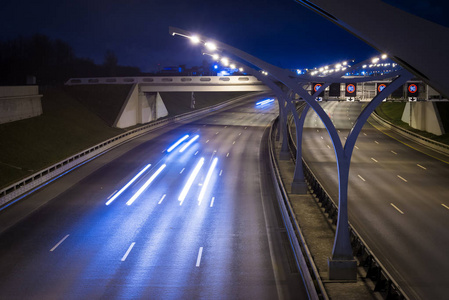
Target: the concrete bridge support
(423, 116)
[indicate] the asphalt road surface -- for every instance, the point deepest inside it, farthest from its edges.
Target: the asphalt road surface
(163, 237)
(398, 199)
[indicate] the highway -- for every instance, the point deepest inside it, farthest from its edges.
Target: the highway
(398, 198)
(146, 221)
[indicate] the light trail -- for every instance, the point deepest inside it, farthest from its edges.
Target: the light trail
(177, 143)
(206, 181)
(189, 183)
(128, 184)
(189, 143)
(143, 188)
(263, 102)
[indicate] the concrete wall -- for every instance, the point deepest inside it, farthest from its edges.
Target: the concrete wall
(140, 107)
(423, 116)
(19, 102)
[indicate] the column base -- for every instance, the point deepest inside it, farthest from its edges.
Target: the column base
(284, 155)
(342, 269)
(299, 187)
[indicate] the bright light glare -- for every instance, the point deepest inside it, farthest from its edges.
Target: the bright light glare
(177, 143)
(375, 60)
(263, 102)
(128, 184)
(232, 66)
(206, 181)
(241, 69)
(215, 56)
(195, 39)
(384, 56)
(144, 187)
(211, 46)
(189, 143)
(225, 61)
(189, 183)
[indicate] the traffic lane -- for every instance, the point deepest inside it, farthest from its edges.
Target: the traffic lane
(96, 239)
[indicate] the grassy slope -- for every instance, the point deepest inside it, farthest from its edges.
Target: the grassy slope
(392, 111)
(65, 128)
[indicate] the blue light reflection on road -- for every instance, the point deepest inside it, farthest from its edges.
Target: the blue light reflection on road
(143, 188)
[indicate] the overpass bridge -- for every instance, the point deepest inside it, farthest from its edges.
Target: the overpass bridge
(144, 102)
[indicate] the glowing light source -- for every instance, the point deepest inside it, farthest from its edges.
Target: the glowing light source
(195, 39)
(177, 143)
(189, 143)
(144, 187)
(206, 181)
(128, 184)
(232, 66)
(375, 60)
(211, 46)
(241, 69)
(384, 56)
(215, 56)
(189, 183)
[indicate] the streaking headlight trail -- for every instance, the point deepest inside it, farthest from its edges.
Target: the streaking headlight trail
(206, 181)
(128, 184)
(177, 143)
(143, 188)
(263, 102)
(192, 177)
(189, 143)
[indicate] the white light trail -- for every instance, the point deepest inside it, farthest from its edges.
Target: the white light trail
(128, 184)
(189, 183)
(177, 143)
(206, 181)
(189, 143)
(144, 187)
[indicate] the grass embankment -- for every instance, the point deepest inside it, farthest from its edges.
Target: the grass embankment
(392, 111)
(65, 128)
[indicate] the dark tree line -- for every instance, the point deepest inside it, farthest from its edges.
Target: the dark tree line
(52, 62)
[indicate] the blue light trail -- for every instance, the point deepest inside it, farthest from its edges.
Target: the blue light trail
(263, 102)
(143, 188)
(177, 143)
(206, 181)
(189, 183)
(189, 143)
(128, 184)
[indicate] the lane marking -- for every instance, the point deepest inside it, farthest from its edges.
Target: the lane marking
(356, 147)
(328, 146)
(163, 197)
(196, 153)
(111, 194)
(146, 184)
(198, 259)
(213, 199)
(445, 206)
(221, 171)
(373, 159)
(227, 154)
(397, 208)
(217, 132)
(394, 152)
(128, 251)
(240, 133)
(207, 141)
(364, 134)
(422, 167)
(59, 243)
(402, 178)
(322, 138)
(363, 179)
(376, 142)
(233, 142)
(182, 170)
(226, 126)
(246, 127)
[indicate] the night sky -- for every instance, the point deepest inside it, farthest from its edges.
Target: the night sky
(281, 32)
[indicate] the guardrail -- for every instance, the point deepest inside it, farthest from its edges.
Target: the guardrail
(384, 283)
(30, 184)
(437, 146)
(310, 274)
(172, 80)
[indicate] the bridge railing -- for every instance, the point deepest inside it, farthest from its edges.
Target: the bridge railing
(168, 80)
(384, 283)
(30, 184)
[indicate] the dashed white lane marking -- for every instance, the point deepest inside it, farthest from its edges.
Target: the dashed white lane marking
(393, 152)
(198, 259)
(402, 178)
(445, 206)
(356, 147)
(376, 142)
(363, 179)
(162, 199)
(328, 146)
(221, 171)
(128, 251)
(422, 167)
(212, 202)
(373, 159)
(207, 141)
(196, 153)
(227, 155)
(112, 194)
(182, 170)
(397, 208)
(364, 134)
(217, 132)
(226, 126)
(240, 133)
(322, 138)
(233, 142)
(246, 127)
(59, 243)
